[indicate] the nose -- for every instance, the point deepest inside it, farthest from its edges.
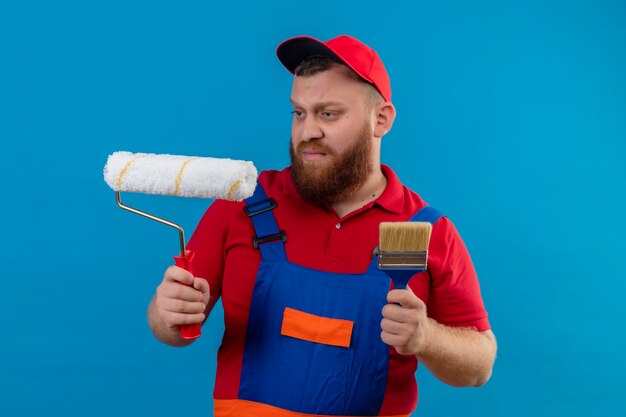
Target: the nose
(309, 129)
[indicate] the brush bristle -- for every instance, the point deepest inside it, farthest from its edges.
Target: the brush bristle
(404, 236)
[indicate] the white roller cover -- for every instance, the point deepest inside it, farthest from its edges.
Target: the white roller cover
(186, 176)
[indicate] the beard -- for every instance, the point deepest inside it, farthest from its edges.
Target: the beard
(330, 181)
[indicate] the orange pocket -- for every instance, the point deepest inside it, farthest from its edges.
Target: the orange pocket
(305, 326)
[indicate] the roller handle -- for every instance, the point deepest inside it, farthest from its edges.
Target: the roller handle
(188, 331)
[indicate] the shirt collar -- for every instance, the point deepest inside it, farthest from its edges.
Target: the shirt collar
(392, 199)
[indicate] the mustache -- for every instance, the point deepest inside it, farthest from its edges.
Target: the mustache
(315, 146)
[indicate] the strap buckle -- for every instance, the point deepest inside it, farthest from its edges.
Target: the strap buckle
(250, 211)
(256, 241)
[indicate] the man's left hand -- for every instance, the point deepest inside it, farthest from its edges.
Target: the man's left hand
(405, 324)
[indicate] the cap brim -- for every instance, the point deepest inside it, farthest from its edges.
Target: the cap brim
(295, 50)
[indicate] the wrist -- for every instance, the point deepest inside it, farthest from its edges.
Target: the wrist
(428, 338)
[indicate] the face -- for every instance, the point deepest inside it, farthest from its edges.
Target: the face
(332, 136)
(339, 176)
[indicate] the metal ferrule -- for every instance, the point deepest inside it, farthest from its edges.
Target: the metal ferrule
(402, 259)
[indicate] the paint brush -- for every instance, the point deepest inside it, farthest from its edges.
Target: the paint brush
(403, 250)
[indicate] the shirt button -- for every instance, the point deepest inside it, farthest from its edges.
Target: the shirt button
(338, 226)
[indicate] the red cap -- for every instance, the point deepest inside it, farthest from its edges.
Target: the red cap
(352, 52)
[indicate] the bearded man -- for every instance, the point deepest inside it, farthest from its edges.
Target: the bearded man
(312, 327)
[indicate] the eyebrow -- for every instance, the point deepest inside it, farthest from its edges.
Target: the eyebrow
(323, 104)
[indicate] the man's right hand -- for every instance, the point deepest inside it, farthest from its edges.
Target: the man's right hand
(180, 299)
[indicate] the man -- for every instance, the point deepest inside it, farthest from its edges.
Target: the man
(311, 325)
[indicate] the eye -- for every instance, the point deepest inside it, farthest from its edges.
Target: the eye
(297, 114)
(328, 115)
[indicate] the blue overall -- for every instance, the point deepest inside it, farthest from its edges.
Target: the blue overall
(300, 375)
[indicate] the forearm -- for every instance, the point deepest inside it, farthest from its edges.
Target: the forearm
(458, 356)
(163, 332)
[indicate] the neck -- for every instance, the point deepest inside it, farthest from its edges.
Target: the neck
(368, 192)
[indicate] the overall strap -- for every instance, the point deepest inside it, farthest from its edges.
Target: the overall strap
(427, 214)
(268, 238)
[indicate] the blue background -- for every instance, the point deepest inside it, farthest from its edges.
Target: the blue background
(511, 119)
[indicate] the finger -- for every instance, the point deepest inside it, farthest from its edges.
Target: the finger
(201, 285)
(179, 291)
(177, 274)
(395, 313)
(397, 342)
(392, 327)
(178, 319)
(406, 298)
(180, 306)
(391, 339)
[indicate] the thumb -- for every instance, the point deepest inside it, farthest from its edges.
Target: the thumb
(412, 297)
(202, 285)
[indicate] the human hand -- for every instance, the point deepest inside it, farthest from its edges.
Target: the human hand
(405, 325)
(181, 298)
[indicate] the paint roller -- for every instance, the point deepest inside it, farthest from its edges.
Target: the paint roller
(177, 175)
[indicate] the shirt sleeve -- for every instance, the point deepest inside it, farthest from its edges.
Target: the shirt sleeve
(454, 298)
(208, 244)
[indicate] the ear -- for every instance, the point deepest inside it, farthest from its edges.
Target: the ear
(385, 114)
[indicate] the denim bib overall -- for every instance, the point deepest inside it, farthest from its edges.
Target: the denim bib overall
(313, 338)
